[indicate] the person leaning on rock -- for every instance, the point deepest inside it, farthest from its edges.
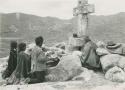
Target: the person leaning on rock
(89, 57)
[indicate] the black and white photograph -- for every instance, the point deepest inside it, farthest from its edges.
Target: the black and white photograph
(62, 44)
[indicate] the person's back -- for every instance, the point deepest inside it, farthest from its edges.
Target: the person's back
(12, 61)
(23, 64)
(38, 62)
(89, 58)
(22, 69)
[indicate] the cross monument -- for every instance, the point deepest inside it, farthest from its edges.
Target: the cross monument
(81, 11)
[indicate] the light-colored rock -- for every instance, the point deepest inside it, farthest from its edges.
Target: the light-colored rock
(3, 65)
(68, 67)
(102, 51)
(61, 45)
(115, 74)
(121, 62)
(111, 60)
(84, 76)
(76, 41)
(77, 53)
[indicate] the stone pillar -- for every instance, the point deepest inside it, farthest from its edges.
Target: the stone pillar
(81, 11)
(82, 24)
(0, 29)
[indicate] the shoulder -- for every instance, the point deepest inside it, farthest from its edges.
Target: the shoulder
(36, 48)
(13, 51)
(22, 54)
(91, 44)
(88, 44)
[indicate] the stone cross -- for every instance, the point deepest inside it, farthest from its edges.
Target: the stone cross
(0, 29)
(81, 11)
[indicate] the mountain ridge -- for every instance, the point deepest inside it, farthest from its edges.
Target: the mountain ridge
(26, 27)
(17, 24)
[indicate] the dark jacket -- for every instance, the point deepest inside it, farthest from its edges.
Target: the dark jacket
(22, 70)
(89, 57)
(12, 63)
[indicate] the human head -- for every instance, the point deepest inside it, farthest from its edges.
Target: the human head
(13, 45)
(21, 47)
(75, 35)
(39, 41)
(87, 39)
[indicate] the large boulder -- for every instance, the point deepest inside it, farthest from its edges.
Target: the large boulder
(68, 67)
(111, 60)
(61, 45)
(3, 65)
(86, 75)
(121, 62)
(115, 74)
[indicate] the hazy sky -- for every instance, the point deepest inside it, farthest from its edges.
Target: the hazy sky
(59, 8)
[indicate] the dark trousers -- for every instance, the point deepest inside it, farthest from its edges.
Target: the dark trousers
(37, 77)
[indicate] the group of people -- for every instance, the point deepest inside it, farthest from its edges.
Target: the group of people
(31, 68)
(23, 67)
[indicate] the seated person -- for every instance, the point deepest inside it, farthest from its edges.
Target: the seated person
(75, 35)
(89, 57)
(38, 62)
(22, 69)
(12, 61)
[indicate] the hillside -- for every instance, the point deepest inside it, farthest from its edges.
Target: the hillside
(26, 27)
(29, 26)
(108, 27)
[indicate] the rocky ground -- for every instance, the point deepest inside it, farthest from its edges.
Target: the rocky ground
(97, 83)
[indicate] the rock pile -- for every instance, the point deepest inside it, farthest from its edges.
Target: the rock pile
(113, 64)
(69, 65)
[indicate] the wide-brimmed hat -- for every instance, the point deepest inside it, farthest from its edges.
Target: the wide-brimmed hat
(112, 45)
